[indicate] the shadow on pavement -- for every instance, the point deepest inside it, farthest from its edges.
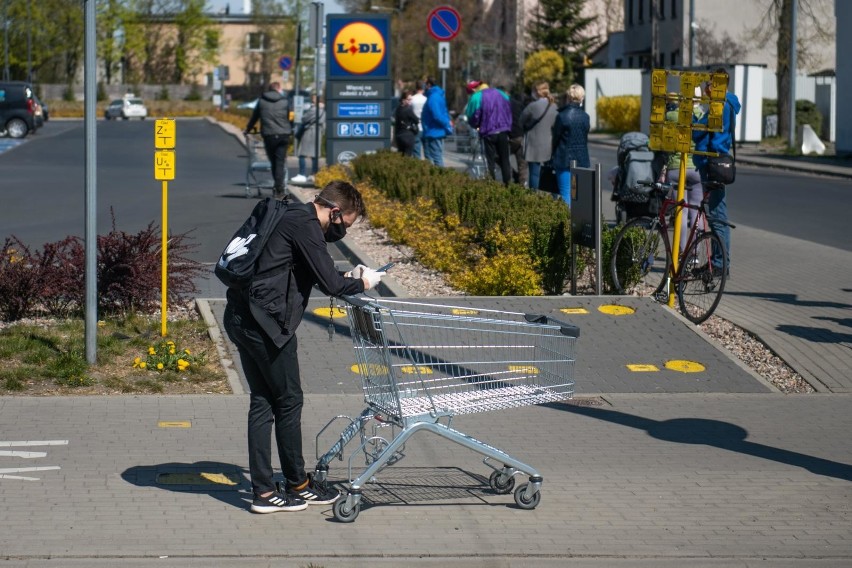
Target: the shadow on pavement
(226, 482)
(817, 334)
(723, 435)
(790, 299)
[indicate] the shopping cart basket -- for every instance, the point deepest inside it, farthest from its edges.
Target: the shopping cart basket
(421, 363)
(259, 170)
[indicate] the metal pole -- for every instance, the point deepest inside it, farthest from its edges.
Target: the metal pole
(598, 231)
(317, 35)
(792, 137)
(6, 38)
(91, 229)
(691, 33)
(29, 45)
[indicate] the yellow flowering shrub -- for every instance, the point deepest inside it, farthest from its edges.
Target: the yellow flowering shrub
(619, 114)
(167, 356)
(331, 173)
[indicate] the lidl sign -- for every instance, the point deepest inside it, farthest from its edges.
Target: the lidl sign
(359, 48)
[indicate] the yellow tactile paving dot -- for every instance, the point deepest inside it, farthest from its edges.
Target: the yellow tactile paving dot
(371, 370)
(616, 310)
(532, 370)
(684, 366)
(198, 478)
(416, 370)
(174, 424)
(574, 311)
(326, 312)
(642, 368)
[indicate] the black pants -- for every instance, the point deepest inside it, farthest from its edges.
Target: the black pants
(497, 148)
(276, 151)
(516, 148)
(276, 399)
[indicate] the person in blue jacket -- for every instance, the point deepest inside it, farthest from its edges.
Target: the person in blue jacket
(570, 139)
(719, 142)
(436, 123)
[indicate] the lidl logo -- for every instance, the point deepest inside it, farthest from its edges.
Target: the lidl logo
(359, 48)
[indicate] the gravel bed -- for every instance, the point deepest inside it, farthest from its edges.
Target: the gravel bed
(420, 281)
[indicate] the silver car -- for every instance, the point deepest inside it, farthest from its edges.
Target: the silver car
(126, 108)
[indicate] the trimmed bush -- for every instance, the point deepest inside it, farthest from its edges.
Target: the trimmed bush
(619, 114)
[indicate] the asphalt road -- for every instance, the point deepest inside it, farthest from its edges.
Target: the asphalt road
(43, 188)
(799, 205)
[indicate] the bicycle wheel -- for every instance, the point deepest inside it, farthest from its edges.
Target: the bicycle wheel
(640, 260)
(699, 283)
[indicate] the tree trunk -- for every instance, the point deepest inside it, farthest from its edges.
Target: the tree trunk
(783, 72)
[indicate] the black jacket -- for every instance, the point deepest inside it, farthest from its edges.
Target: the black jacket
(273, 111)
(295, 258)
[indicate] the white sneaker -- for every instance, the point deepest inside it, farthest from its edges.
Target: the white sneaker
(299, 179)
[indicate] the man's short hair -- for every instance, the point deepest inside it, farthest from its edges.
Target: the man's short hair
(344, 195)
(430, 82)
(274, 86)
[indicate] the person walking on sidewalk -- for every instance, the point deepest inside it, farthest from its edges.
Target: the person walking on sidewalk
(405, 126)
(719, 142)
(273, 112)
(313, 121)
(570, 139)
(262, 322)
(537, 121)
(436, 123)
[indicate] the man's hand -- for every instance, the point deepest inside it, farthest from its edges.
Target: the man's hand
(356, 272)
(371, 278)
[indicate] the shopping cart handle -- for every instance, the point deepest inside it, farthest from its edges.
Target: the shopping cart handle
(566, 329)
(356, 301)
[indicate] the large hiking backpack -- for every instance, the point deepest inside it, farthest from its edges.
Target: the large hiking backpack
(237, 264)
(636, 162)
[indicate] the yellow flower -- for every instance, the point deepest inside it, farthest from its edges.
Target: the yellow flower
(152, 351)
(137, 362)
(187, 351)
(159, 366)
(170, 343)
(172, 351)
(101, 323)
(182, 364)
(143, 364)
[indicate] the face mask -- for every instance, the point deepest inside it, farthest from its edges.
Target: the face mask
(335, 232)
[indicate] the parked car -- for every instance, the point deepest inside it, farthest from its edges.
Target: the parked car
(18, 108)
(44, 109)
(127, 107)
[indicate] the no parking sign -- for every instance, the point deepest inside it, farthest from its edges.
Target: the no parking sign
(444, 23)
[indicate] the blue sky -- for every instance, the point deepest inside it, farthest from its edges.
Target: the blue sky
(331, 7)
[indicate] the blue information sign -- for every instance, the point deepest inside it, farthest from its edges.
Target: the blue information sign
(358, 110)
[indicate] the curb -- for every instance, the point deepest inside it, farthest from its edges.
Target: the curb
(215, 334)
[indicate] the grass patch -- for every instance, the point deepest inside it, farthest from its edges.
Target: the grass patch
(48, 358)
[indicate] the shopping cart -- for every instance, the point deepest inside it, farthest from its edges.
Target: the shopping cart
(259, 170)
(421, 363)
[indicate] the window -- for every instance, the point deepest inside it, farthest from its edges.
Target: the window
(630, 62)
(662, 60)
(256, 78)
(641, 11)
(675, 55)
(630, 12)
(674, 9)
(618, 63)
(255, 41)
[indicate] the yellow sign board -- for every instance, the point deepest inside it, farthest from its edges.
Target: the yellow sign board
(164, 165)
(165, 133)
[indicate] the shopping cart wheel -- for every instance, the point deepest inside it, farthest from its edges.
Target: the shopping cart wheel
(524, 501)
(499, 485)
(344, 515)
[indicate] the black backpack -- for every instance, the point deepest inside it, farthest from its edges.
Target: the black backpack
(237, 264)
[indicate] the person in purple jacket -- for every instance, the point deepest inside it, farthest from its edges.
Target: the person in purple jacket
(491, 114)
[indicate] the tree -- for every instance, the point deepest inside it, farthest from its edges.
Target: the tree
(711, 49)
(546, 65)
(814, 29)
(559, 25)
(197, 42)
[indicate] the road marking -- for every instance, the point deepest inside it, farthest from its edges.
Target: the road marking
(7, 470)
(642, 368)
(616, 310)
(175, 424)
(15, 454)
(684, 366)
(574, 310)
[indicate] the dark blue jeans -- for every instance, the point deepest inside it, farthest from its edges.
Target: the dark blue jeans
(717, 216)
(276, 151)
(276, 399)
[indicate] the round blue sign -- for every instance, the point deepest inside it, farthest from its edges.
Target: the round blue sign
(444, 23)
(285, 63)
